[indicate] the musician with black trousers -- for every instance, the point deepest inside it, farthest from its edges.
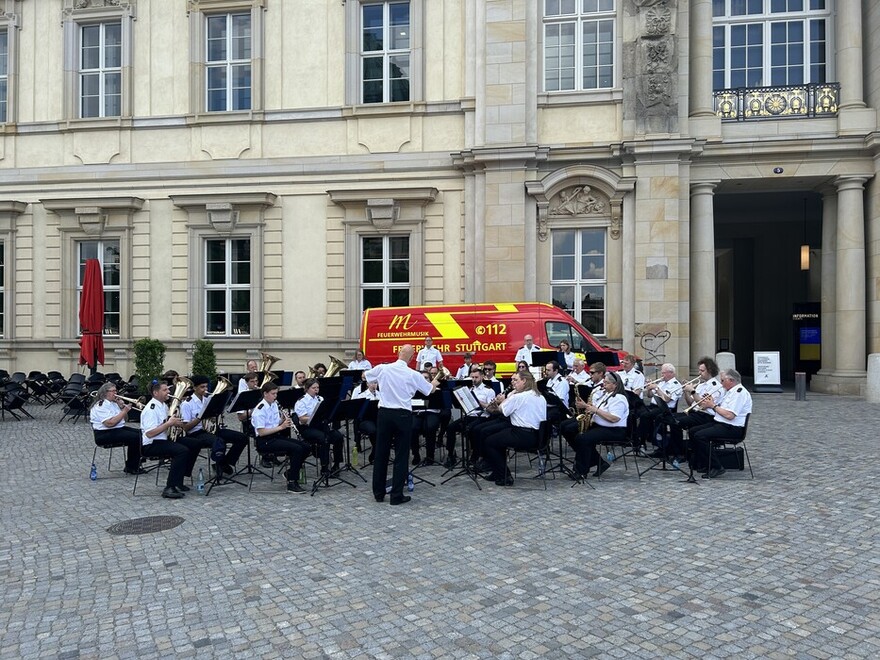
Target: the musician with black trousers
(398, 383)
(191, 412)
(609, 415)
(108, 424)
(273, 436)
(319, 435)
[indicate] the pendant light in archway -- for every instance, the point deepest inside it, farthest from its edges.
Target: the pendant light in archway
(805, 248)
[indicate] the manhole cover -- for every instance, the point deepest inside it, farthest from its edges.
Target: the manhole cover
(145, 525)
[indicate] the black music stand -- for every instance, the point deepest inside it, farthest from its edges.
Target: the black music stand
(608, 358)
(214, 410)
(543, 358)
(434, 401)
(244, 402)
(288, 397)
(465, 405)
(347, 411)
(322, 416)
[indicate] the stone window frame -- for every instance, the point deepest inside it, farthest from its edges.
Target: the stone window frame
(198, 10)
(102, 242)
(89, 219)
(378, 213)
(9, 22)
(576, 225)
(579, 96)
(219, 215)
(228, 287)
(74, 18)
(353, 85)
(10, 210)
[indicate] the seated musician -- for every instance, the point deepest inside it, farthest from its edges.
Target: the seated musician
(250, 368)
(464, 371)
(693, 415)
(609, 408)
(360, 361)
(320, 436)
(273, 436)
(561, 388)
(428, 354)
(525, 409)
(425, 422)
(633, 379)
(191, 413)
(570, 427)
(155, 423)
(299, 378)
(579, 374)
(108, 423)
(728, 424)
(320, 370)
(489, 368)
(367, 427)
(484, 395)
(662, 398)
(567, 356)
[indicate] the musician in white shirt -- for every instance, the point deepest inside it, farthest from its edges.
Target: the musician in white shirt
(730, 415)
(525, 353)
(661, 400)
(108, 425)
(155, 423)
(251, 367)
(633, 379)
(360, 361)
(609, 408)
(191, 412)
(319, 434)
(464, 371)
(484, 395)
(273, 436)
(579, 373)
(708, 387)
(428, 354)
(526, 409)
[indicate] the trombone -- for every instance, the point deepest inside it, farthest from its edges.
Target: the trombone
(135, 403)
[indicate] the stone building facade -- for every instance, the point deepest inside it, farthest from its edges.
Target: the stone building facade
(255, 172)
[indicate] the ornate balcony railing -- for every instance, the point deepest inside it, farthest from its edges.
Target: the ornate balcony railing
(747, 104)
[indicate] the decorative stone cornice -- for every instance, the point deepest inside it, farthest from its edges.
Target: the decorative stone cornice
(224, 211)
(90, 214)
(79, 9)
(217, 5)
(9, 212)
(382, 208)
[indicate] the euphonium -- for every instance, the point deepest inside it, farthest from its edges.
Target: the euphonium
(181, 385)
(266, 362)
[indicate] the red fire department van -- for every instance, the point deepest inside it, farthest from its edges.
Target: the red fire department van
(489, 331)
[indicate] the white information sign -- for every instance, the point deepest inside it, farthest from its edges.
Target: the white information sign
(767, 368)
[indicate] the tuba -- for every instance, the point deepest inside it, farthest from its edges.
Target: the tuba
(266, 362)
(336, 365)
(181, 385)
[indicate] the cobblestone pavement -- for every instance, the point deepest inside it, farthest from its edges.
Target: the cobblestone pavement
(786, 565)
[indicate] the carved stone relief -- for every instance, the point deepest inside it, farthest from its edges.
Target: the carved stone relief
(578, 200)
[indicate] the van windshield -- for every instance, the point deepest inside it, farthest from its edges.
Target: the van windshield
(558, 331)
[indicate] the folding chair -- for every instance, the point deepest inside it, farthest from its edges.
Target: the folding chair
(541, 451)
(111, 446)
(738, 459)
(13, 396)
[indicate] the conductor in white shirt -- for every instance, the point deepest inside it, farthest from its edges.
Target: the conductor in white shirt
(398, 383)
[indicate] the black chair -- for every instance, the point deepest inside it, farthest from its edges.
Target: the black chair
(111, 446)
(38, 385)
(728, 451)
(13, 396)
(76, 402)
(541, 454)
(4, 376)
(148, 465)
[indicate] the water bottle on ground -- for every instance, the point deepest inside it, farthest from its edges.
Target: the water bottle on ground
(200, 483)
(93, 474)
(410, 483)
(354, 455)
(540, 463)
(610, 457)
(302, 474)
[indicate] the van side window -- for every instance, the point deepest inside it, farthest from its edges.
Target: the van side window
(558, 331)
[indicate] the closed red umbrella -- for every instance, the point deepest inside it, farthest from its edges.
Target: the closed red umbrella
(91, 316)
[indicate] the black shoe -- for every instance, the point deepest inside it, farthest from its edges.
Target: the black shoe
(228, 469)
(507, 480)
(182, 488)
(602, 467)
(403, 499)
(428, 462)
(294, 487)
(714, 473)
(450, 462)
(417, 459)
(171, 494)
(371, 457)
(138, 470)
(266, 462)
(482, 466)
(657, 453)
(379, 498)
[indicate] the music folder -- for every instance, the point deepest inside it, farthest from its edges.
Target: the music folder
(288, 397)
(541, 358)
(246, 400)
(215, 405)
(323, 412)
(608, 358)
(466, 400)
(350, 409)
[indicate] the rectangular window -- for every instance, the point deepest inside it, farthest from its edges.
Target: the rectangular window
(577, 280)
(4, 74)
(385, 271)
(228, 287)
(385, 52)
(579, 44)
(100, 70)
(762, 43)
(228, 46)
(107, 254)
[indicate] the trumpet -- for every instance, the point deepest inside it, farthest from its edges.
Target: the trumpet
(696, 404)
(680, 388)
(135, 403)
(653, 382)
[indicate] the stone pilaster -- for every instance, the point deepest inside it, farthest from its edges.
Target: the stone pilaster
(702, 270)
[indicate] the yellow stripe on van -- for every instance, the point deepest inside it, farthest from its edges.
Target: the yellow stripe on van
(506, 307)
(447, 326)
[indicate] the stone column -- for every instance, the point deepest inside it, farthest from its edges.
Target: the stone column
(700, 48)
(829, 280)
(850, 349)
(702, 270)
(848, 37)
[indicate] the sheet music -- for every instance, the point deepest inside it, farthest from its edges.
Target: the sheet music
(466, 399)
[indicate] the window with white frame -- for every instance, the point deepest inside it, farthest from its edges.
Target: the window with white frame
(768, 43)
(385, 52)
(385, 271)
(579, 44)
(108, 256)
(578, 275)
(4, 74)
(227, 287)
(228, 66)
(100, 70)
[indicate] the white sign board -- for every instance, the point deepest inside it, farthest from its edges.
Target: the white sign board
(767, 368)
